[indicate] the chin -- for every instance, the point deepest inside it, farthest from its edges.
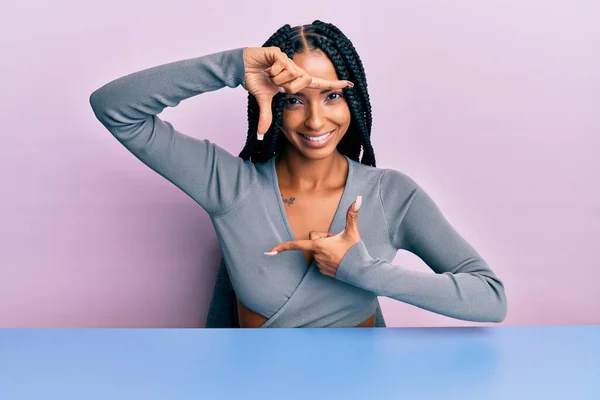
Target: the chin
(318, 155)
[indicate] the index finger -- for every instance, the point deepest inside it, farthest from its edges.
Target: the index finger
(320, 83)
(293, 245)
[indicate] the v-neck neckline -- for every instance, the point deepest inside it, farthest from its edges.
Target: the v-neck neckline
(336, 215)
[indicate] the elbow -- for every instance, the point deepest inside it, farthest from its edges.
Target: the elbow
(499, 306)
(96, 104)
(104, 111)
(102, 99)
(492, 311)
(92, 99)
(500, 310)
(96, 101)
(494, 306)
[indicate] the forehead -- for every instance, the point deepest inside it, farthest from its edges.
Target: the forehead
(317, 64)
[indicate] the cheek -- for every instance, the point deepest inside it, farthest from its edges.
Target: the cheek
(341, 109)
(291, 119)
(290, 122)
(341, 115)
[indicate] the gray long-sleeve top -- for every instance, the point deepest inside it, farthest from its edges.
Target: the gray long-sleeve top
(245, 206)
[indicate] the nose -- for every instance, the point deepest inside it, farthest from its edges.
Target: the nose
(315, 120)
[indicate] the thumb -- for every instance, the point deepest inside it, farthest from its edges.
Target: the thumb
(352, 216)
(265, 116)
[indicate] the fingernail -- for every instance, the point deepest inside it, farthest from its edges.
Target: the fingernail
(357, 203)
(350, 84)
(270, 253)
(280, 89)
(259, 136)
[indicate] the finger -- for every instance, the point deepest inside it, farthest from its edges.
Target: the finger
(292, 79)
(265, 116)
(279, 65)
(293, 245)
(319, 83)
(352, 215)
(298, 84)
(319, 235)
(283, 77)
(327, 273)
(324, 269)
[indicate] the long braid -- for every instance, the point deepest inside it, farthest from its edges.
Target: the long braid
(348, 66)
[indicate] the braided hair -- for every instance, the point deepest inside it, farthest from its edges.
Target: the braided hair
(348, 66)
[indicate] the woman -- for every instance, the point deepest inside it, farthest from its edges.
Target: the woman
(307, 231)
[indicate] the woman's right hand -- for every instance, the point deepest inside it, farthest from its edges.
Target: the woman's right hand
(269, 71)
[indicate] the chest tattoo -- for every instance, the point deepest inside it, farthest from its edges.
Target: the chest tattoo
(289, 201)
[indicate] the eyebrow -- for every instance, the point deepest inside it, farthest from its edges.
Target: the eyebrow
(303, 95)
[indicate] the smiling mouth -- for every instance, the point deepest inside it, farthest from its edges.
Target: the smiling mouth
(317, 138)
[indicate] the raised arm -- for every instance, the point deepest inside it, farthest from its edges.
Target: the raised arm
(128, 108)
(462, 286)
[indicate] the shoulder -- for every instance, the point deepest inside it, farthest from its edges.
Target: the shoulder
(397, 192)
(397, 183)
(406, 206)
(391, 184)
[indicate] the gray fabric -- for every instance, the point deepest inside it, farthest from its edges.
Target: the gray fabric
(222, 312)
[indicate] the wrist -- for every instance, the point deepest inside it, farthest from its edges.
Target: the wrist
(356, 258)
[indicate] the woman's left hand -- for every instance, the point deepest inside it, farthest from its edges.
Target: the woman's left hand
(328, 248)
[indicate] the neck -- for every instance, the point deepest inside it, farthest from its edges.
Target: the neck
(297, 173)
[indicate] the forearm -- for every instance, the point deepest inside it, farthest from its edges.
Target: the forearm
(131, 99)
(471, 291)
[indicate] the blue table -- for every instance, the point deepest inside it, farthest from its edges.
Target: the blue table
(409, 363)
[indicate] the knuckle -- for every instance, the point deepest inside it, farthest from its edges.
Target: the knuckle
(319, 245)
(294, 88)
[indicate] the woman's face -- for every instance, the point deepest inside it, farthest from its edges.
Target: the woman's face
(315, 112)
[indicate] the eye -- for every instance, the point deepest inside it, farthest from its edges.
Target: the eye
(289, 100)
(339, 95)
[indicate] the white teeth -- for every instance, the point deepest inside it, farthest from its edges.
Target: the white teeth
(318, 138)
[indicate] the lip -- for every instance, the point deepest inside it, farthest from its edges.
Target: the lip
(316, 145)
(317, 134)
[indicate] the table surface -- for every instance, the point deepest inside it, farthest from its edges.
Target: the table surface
(501, 362)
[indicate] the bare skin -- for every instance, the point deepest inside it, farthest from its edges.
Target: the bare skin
(311, 180)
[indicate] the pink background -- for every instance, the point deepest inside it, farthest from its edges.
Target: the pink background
(493, 107)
